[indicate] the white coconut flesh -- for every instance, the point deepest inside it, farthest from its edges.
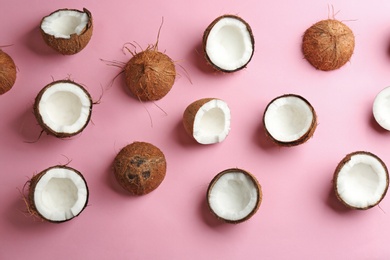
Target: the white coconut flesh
(212, 122)
(229, 44)
(381, 108)
(60, 194)
(362, 181)
(65, 107)
(64, 23)
(288, 118)
(233, 196)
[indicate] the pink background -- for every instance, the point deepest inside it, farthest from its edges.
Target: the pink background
(299, 218)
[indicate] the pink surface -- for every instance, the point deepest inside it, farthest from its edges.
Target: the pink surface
(299, 218)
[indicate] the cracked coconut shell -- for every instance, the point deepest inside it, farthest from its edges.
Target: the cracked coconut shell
(7, 72)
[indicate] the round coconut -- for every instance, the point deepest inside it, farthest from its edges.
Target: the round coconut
(150, 75)
(328, 44)
(7, 72)
(57, 194)
(63, 108)
(67, 31)
(140, 168)
(234, 195)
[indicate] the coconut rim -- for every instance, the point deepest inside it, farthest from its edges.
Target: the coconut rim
(40, 119)
(206, 35)
(343, 162)
(305, 137)
(256, 184)
(379, 110)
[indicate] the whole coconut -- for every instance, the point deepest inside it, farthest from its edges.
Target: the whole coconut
(7, 72)
(140, 167)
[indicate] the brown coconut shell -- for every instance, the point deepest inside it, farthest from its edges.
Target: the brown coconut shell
(150, 74)
(76, 42)
(206, 35)
(140, 168)
(257, 185)
(309, 134)
(7, 72)
(345, 160)
(38, 116)
(32, 183)
(190, 113)
(328, 44)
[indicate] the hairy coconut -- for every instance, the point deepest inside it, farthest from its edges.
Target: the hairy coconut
(361, 180)
(207, 120)
(328, 44)
(289, 120)
(150, 74)
(140, 167)
(67, 31)
(63, 108)
(7, 72)
(234, 195)
(57, 194)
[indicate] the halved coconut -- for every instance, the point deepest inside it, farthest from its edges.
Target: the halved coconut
(289, 120)
(234, 195)
(207, 120)
(140, 167)
(381, 108)
(67, 31)
(63, 108)
(328, 44)
(57, 194)
(7, 72)
(361, 180)
(228, 43)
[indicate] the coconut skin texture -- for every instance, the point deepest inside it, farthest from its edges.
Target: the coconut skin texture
(140, 168)
(190, 113)
(7, 72)
(38, 116)
(259, 195)
(328, 44)
(31, 189)
(207, 32)
(346, 159)
(305, 137)
(76, 43)
(150, 74)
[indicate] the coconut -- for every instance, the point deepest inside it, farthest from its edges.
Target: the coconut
(228, 43)
(207, 120)
(381, 108)
(7, 72)
(57, 194)
(328, 44)
(361, 180)
(234, 195)
(63, 108)
(289, 120)
(67, 31)
(140, 167)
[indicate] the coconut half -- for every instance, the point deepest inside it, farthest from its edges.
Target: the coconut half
(361, 180)
(381, 108)
(7, 72)
(63, 108)
(328, 44)
(207, 120)
(140, 168)
(67, 31)
(289, 120)
(234, 195)
(228, 43)
(57, 194)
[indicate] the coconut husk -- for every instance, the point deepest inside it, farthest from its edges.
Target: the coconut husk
(7, 72)
(140, 168)
(309, 134)
(150, 74)
(258, 188)
(328, 44)
(76, 42)
(345, 160)
(190, 113)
